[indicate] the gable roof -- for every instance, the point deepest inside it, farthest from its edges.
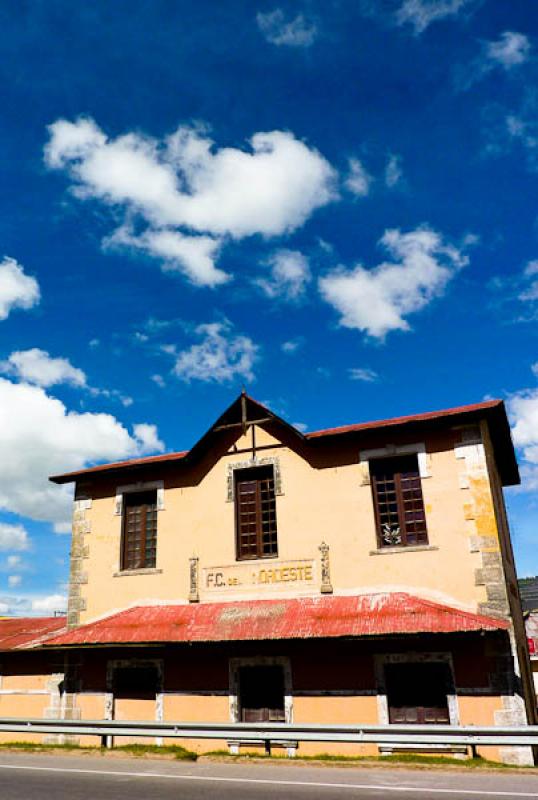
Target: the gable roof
(492, 410)
(380, 614)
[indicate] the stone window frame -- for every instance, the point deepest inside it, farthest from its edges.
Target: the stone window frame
(235, 664)
(391, 451)
(424, 470)
(430, 657)
(134, 488)
(140, 486)
(251, 463)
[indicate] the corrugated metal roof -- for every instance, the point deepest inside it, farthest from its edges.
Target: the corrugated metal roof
(26, 632)
(507, 464)
(305, 618)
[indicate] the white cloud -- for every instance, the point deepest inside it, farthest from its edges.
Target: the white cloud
(50, 603)
(297, 32)
(44, 438)
(194, 256)
(510, 50)
(393, 171)
(420, 14)
(523, 411)
(37, 366)
(379, 300)
(522, 129)
(291, 346)
(17, 289)
(13, 561)
(13, 537)
(182, 195)
(364, 374)
(147, 438)
(290, 274)
(221, 355)
(358, 180)
(13, 580)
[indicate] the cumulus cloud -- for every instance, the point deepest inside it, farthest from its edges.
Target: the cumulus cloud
(393, 171)
(181, 196)
(50, 603)
(44, 438)
(17, 289)
(38, 367)
(378, 300)
(523, 411)
(220, 356)
(358, 180)
(195, 256)
(420, 14)
(510, 50)
(29, 605)
(364, 374)
(13, 537)
(297, 32)
(289, 275)
(13, 580)
(292, 345)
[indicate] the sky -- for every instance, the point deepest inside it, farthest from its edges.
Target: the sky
(331, 203)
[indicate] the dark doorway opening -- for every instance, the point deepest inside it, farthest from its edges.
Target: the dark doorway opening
(136, 683)
(417, 693)
(261, 694)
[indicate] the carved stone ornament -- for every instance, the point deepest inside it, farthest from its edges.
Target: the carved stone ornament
(326, 586)
(194, 596)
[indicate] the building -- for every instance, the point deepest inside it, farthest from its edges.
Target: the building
(356, 574)
(528, 589)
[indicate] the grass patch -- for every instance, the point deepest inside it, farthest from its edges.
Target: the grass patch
(36, 746)
(401, 758)
(138, 750)
(180, 753)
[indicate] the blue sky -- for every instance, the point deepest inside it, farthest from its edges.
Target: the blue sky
(333, 203)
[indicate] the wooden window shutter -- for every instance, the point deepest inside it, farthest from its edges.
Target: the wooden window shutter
(398, 502)
(255, 509)
(139, 545)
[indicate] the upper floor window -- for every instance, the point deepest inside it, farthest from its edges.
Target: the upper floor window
(255, 512)
(139, 535)
(398, 502)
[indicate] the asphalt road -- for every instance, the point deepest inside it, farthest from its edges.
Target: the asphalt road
(45, 777)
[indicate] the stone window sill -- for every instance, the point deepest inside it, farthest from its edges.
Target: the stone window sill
(144, 571)
(385, 551)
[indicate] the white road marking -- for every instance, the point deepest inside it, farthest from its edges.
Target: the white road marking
(314, 784)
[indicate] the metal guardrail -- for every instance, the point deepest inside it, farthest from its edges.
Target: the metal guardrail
(275, 733)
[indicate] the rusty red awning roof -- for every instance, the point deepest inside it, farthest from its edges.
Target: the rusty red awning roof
(305, 618)
(26, 632)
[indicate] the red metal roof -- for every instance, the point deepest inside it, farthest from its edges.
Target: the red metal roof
(25, 632)
(319, 617)
(505, 455)
(385, 423)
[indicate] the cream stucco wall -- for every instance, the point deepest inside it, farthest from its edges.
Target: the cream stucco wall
(326, 499)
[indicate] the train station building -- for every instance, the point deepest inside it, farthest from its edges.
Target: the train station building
(359, 574)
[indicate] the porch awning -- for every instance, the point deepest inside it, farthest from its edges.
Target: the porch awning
(25, 632)
(383, 614)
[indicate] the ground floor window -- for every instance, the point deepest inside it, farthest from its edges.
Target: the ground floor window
(417, 692)
(261, 694)
(136, 682)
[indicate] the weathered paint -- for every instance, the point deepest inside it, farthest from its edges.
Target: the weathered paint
(23, 632)
(306, 618)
